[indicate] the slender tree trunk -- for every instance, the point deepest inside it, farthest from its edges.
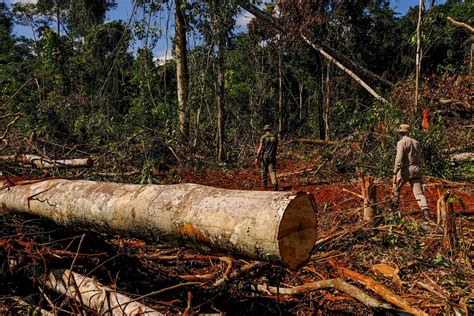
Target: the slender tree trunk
(418, 54)
(220, 100)
(322, 131)
(327, 102)
(281, 109)
(301, 87)
(182, 73)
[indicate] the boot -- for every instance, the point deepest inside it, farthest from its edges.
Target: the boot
(275, 187)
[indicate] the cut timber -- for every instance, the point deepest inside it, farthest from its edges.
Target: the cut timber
(94, 295)
(45, 163)
(272, 226)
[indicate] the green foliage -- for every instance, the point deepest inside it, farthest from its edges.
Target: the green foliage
(146, 176)
(90, 87)
(440, 260)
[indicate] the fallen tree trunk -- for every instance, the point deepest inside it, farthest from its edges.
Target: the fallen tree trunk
(94, 295)
(45, 163)
(462, 157)
(272, 226)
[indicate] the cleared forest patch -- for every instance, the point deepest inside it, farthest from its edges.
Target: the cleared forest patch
(400, 255)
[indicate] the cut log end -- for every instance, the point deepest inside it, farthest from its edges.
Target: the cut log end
(297, 231)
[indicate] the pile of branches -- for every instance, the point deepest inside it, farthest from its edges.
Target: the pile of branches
(397, 265)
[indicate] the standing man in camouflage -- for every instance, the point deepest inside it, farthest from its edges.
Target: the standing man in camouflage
(266, 154)
(408, 169)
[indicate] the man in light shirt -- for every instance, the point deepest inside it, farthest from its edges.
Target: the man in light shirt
(407, 168)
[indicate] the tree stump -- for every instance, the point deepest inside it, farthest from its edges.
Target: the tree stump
(369, 194)
(447, 218)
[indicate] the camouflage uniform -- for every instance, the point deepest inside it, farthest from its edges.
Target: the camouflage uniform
(407, 168)
(267, 157)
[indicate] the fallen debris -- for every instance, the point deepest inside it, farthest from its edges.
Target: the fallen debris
(46, 163)
(89, 292)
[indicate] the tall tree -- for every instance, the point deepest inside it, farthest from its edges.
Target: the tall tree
(418, 53)
(182, 72)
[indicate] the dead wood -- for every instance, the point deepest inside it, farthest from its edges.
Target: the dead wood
(463, 157)
(245, 4)
(240, 272)
(369, 195)
(46, 163)
(94, 295)
(29, 309)
(319, 49)
(337, 284)
(9, 126)
(272, 226)
(381, 290)
(461, 24)
(447, 218)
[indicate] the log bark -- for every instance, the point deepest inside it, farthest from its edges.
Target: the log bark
(45, 163)
(96, 296)
(278, 227)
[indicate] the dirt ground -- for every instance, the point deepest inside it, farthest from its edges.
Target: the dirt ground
(407, 243)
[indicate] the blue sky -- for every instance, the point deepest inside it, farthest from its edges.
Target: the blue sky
(125, 7)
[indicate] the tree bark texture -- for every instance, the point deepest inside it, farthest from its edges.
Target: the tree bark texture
(182, 73)
(45, 163)
(94, 295)
(273, 226)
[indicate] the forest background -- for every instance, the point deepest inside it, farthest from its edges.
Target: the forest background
(81, 86)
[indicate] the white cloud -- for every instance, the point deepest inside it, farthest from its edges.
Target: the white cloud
(243, 19)
(25, 1)
(162, 56)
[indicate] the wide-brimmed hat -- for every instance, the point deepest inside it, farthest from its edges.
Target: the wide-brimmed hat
(267, 127)
(404, 128)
